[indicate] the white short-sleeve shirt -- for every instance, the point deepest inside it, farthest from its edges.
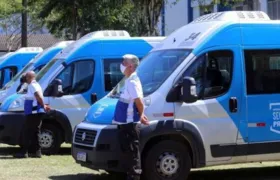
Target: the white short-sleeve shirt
(30, 99)
(33, 87)
(132, 90)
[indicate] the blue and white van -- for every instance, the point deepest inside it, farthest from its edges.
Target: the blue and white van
(36, 64)
(15, 61)
(211, 93)
(88, 70)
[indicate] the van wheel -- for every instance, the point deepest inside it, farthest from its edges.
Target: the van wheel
(50, 139)
(167, 160)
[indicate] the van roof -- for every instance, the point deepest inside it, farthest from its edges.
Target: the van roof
(234, 16)
(198, 31)
(103, 36)
(59, 45)
(29, 50)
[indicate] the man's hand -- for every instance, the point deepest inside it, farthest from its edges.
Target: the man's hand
(47, 108)
(144, 120)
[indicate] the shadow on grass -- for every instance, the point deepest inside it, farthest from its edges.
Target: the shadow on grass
(10, 150)
(251, 173)
(254, 173)
(6, 157)
(82, 177)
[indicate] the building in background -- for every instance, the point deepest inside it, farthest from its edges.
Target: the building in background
(184, 11)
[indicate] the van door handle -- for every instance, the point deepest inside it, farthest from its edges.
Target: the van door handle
(93, 98)
(233, 104)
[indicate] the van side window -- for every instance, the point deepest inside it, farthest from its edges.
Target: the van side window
(112, 73)
(213, 74)
(66, 77)
(83, 76)
(262, 71)
(77, 77)
(7, 74)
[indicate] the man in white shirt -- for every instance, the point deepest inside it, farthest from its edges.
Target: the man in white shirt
(33, 120)
(129, 111)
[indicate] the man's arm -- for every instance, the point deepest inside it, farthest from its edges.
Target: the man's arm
(39, 98)
(140, 107)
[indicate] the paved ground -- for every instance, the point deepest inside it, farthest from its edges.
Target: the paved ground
(63, 167)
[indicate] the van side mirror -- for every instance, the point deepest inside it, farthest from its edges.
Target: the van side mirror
(54, 89)
(188, 90)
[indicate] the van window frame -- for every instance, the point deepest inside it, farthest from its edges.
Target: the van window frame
(2, 72)
(261, 53)
(72, 74)
(205, 59)
(108, 60)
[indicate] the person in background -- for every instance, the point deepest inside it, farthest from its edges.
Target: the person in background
(129, 111)
(33, 120)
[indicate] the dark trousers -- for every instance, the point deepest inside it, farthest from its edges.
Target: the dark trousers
(31, 131)
(129, 135)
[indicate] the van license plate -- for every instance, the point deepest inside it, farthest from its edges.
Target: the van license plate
(81, 156)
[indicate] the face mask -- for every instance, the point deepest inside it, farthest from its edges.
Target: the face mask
(122, 67)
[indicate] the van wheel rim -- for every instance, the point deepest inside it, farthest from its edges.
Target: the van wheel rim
(167, 164)
(46, 139)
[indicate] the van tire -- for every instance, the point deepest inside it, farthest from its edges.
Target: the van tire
(165, 157)
(50, 139)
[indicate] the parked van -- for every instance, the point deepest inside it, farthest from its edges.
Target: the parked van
(211, 94)
(15, 61)
(87, 70)
(36, 64)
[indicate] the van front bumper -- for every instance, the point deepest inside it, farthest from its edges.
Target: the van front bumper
(11, 124)
(102, 153)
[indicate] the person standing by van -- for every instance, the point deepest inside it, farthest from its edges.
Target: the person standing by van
(33, 119)
(129, 111)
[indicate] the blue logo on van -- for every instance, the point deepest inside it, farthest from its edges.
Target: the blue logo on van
(275, 125)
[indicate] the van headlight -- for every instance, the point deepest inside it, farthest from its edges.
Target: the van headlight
(16, 104)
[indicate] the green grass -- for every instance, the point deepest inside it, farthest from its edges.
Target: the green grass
(63, 167)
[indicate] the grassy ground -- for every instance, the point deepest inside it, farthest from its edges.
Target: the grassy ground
(63, 167)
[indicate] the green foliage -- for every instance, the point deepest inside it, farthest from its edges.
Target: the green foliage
(69, 18)
(8, 7)
(66, 17)
(206, 6)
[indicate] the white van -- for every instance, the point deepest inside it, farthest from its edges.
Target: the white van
(212, 95)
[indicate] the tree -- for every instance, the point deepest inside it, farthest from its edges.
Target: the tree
(206, 4)
(11, 22)
(24, 24)
(72, 18)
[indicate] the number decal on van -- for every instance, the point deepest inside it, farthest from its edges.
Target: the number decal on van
(190, 40)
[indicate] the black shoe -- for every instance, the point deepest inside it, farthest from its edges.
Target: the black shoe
(21, 155)
(38, 154)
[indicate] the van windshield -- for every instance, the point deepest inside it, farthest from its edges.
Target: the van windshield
(154, 69)
(18, 75)
(47, 67)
